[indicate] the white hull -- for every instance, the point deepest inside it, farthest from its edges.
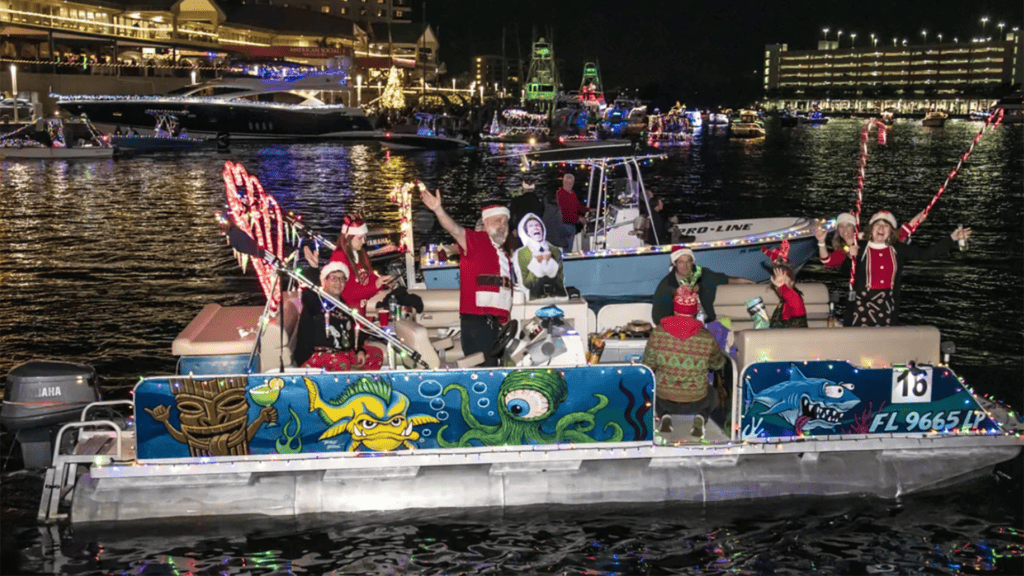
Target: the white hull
(498, 478)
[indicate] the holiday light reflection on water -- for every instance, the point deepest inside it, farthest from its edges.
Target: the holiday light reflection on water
(105, 262)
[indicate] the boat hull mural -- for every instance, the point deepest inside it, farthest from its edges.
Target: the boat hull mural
(188, 417)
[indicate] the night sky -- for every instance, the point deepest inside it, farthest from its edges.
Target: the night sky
(703, 53)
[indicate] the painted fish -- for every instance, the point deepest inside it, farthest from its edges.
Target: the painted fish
(823, 402)
(371, 413)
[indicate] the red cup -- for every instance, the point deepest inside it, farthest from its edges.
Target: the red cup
(382, 316)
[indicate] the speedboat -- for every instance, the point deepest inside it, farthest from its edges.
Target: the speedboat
(718, 119)
(668, 129)
(517, 127)
(167, 136)
(814, 117)
(240, 431)
(431, 132)
(56, 139)
(609, 258)
(245, 108)
(934, 119)
(747, 125)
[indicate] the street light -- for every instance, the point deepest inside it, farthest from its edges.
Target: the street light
(1001, 25)
(14, 88)
(984, 24)
(894, 41)
(874, 40)
(940, 38)
(853, 36)
(839, 36)
(924, 34)
(453, 84)
(904, 41)
(825, 30)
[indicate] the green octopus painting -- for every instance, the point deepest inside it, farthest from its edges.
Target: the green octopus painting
(527, 399)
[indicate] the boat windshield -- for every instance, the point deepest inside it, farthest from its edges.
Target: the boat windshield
(206, 91)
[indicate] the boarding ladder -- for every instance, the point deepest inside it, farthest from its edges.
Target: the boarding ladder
(100, 442)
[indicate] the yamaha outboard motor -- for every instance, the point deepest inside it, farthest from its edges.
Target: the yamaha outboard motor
(39, 398)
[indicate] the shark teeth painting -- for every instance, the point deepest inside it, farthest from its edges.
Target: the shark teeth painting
(817, 402)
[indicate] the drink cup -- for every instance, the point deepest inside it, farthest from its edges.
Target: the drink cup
(382, 316)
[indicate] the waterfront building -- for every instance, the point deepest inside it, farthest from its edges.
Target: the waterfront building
(955, 77)
(490, 70)
(358, 10)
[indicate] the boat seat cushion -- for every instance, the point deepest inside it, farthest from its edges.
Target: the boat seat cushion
(861, 346)
(219, 330)
(731, 302)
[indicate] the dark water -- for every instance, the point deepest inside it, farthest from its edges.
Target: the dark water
(105, 262)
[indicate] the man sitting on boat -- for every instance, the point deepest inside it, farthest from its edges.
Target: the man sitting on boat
(680, 352)
(485, 272)
(558, 234)
(327, 337)
(538, 263)
(684, 271)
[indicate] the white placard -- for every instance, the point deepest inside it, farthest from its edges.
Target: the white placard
(911, 385)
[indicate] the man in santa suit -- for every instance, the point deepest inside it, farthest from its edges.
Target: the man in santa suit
(485, 275)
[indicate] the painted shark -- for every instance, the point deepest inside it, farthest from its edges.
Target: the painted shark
(822, 401)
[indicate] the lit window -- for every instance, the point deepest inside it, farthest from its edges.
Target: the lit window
(325, 9)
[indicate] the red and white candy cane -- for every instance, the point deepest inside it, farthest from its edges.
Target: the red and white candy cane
(255, 212)
(994, 119)
(862, 163)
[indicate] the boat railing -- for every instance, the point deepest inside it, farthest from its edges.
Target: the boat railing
(62, 474)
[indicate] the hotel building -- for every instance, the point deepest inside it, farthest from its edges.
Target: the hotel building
(954, 77)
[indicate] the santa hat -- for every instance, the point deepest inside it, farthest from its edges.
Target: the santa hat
(333, 266)
(528, 185)
(353, 226)
(846, 218)
(679, 253)
(886, 216)
(494, 210)
(685, 301)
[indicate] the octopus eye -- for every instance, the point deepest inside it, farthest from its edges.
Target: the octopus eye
(368, 424)
(526, 404)
(396, 421)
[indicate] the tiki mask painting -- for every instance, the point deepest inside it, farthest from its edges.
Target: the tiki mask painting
(213, 416)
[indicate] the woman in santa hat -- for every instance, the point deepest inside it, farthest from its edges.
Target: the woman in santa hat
(363, 283)
(844, 241)
(880, 269)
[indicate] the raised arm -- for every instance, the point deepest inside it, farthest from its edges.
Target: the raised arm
(433, 203)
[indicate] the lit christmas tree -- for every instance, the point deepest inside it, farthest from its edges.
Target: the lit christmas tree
(393, 97)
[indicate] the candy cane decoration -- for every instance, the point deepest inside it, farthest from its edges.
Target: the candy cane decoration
(861, 166)
(997, 115)
(256, 213)
(401, 194)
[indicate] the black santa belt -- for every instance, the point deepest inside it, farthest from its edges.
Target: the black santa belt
(491, 280)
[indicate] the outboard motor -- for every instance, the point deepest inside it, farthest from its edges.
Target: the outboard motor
(39, 398)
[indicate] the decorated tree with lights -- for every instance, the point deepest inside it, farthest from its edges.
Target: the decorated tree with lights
(393, 97)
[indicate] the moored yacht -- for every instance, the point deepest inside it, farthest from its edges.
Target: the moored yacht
(245, 108)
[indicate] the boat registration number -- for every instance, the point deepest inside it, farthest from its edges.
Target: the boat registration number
(941, 420)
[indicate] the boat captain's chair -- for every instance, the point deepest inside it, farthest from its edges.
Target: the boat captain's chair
(417, 337)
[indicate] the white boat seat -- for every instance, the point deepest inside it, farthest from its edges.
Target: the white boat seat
(875, 347)
(731, 302)
(416, 336)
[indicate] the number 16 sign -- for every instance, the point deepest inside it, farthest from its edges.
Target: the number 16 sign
(911, 384)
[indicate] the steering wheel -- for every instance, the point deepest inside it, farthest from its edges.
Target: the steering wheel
(505, 335)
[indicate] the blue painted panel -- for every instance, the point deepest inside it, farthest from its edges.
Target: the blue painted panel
(831, 397)
(222, 364)
(639, 274)
(179, 417)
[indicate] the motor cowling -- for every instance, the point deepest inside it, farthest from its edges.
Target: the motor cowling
(39, 398)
